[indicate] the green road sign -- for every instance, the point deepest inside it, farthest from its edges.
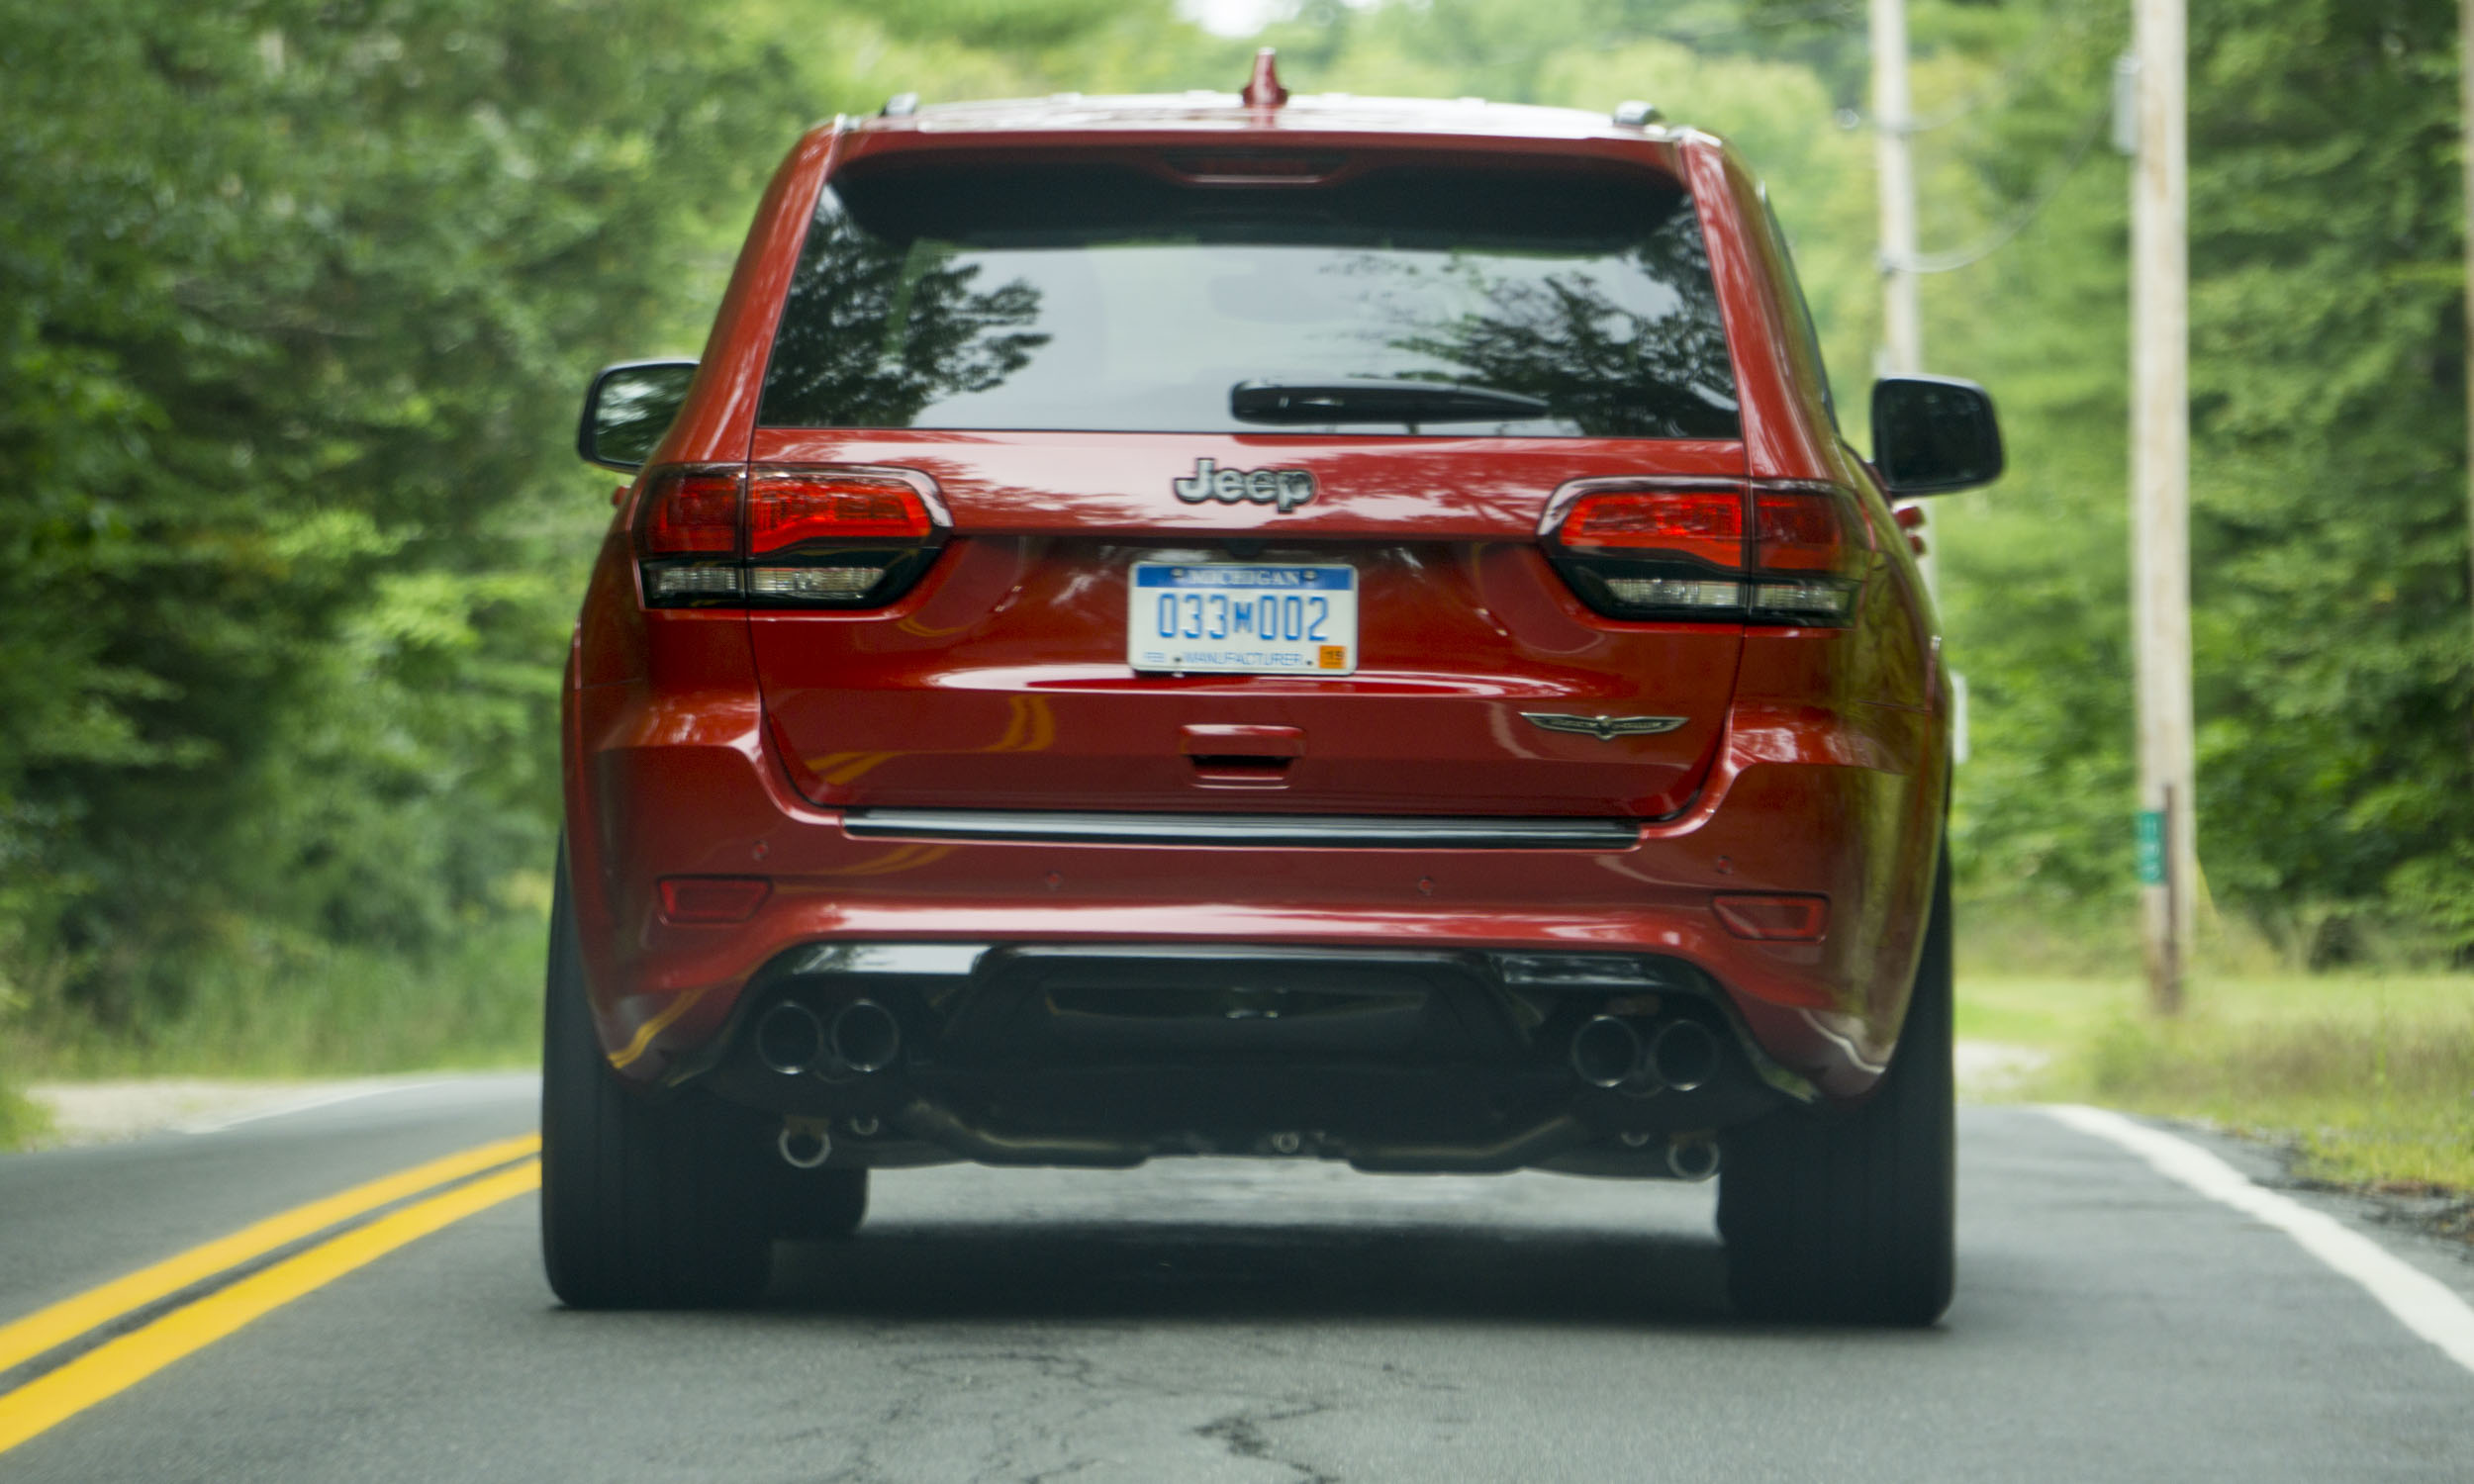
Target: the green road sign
(2151, 848)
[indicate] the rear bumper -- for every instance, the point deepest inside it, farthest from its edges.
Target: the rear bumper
(1801, 801)
(1400, 1058)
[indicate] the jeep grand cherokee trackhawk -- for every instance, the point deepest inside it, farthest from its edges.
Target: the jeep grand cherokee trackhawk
(1323, 627)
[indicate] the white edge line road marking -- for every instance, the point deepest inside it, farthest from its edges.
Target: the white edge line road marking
(2420, 1302)
(305, 1104)
(318, 1100)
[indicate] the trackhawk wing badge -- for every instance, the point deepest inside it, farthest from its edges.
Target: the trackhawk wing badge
(1286, 488)
(1604, 729)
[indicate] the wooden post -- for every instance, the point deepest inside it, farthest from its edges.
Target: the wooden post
(2160, 500)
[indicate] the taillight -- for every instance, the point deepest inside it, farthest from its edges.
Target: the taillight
(790, 509)
(785, 537)
(693, 511)
(1766, 554)
(1807, 570)
(1706, 524)
(687, 536)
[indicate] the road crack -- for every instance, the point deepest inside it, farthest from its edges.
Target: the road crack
(1243, 1435)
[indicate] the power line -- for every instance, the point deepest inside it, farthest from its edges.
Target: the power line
(2000, 238)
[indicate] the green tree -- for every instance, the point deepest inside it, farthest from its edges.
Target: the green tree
(296, 297)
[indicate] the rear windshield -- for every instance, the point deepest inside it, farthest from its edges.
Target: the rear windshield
(1537, 302)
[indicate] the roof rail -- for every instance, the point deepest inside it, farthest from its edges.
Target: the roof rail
(899, 105)
(1634, 114)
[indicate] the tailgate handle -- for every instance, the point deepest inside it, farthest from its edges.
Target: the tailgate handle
(1241, 756)
(1266, 742)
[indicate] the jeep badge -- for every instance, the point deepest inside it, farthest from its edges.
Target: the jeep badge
(1286, 488)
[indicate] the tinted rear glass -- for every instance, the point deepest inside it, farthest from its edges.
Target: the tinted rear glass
(1409, 300)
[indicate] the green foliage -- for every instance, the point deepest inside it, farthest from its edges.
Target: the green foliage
(2334, 673)
(296, 297)
(1013, 24)
(2034, 573)
(292, 329)
(2328, 381)
(273, 1004)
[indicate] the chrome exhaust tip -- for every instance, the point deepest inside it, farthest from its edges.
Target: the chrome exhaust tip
(1683, 1054)
(1606, 1052)
(864, 1037)
(790, 1040)
(1693, 1158)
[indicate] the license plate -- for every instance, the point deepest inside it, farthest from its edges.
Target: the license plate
(1245, 619)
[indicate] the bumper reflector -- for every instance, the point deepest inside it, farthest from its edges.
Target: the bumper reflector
(1779, 919)
(702, 899)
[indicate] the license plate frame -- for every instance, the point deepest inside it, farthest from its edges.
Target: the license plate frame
(1313, 607)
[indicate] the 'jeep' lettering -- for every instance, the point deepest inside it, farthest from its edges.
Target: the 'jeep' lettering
(1286, 489)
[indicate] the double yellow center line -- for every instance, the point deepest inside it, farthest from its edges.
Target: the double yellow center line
(120, 1363)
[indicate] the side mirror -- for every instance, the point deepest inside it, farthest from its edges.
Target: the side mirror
(1932, 434)
(627, 409)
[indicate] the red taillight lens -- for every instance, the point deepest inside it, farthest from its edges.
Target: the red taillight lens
(1798, 532)
(1779, 919)
(1800, 535)
(689, 511)
(787, 509)
(712, 898)
(816, 538)
(1768, 553)
(1704, 525)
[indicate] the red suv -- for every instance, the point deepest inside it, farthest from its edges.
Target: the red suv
(1321, 628)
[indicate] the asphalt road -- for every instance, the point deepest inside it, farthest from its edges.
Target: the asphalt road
(1231, 1321)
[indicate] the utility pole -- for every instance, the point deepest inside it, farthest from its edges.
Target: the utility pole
(2161, 563)
(1902, 321)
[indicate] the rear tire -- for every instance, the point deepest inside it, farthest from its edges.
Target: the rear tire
(645, 1203)
(1851, 1219)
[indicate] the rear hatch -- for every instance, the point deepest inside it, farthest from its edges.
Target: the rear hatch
(1231, 484)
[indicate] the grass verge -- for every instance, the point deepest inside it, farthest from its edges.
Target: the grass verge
(2371, 1076)
(22, 1119)
(315, 1010)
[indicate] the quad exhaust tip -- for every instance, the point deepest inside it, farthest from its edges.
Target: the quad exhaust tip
(1683, 1054)
(1609, 1051)
(864, 1037)
(1606, 1051)
(790, 1040)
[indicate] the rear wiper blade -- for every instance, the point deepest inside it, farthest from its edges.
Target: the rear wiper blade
(1368, 400)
